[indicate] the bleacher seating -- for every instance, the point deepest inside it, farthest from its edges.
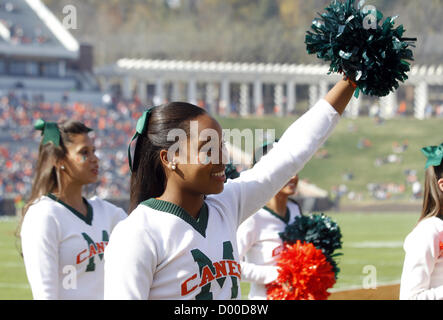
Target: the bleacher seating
(113, 126)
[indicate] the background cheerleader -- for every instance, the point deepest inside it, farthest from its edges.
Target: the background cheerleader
(63, 235)
(259, 243)
(422, 277)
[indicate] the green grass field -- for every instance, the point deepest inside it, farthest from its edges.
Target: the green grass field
(13, 281)
(368, 240)
(344, 156)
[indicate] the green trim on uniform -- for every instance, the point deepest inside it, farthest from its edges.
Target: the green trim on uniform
(200, 224)
(89, 213)
(285, 219)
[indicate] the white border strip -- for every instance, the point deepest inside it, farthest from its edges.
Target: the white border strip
(14, 285)
(351, 288)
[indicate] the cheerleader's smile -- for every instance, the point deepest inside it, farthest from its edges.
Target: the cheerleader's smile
(219, 176)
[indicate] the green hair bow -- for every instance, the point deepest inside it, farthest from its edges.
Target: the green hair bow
(434, 155)
(50, 132)
(140, 129)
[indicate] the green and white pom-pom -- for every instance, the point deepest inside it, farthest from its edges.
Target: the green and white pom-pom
(318, 229)
(356, 44)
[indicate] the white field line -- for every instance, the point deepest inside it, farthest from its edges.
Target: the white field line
(343, 261)
(8, 219)
(14, 285)
(11, 265)
(381, 284)
(375, 244)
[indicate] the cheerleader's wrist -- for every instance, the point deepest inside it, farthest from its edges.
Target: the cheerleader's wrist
(350, 81)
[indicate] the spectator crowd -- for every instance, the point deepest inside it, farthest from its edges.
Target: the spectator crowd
(113, 126)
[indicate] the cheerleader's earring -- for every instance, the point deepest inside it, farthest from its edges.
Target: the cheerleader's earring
(173, 166)
(62, 167)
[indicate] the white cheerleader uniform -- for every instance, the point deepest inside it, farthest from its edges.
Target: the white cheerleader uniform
(63, 249)
(422, 277)
(161, 252)
(259, 245)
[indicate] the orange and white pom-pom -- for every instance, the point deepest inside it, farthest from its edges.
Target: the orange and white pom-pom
(304, 274)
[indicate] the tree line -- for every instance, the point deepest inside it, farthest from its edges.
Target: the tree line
(268, 31)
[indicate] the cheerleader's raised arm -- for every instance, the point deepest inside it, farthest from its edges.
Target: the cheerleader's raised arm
(183, 214)
(301, 140)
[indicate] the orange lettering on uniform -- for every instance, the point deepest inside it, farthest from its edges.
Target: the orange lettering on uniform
(184, 286)
(232, 265)
(220, 269)
(277, 251)
(92, 251)
(100, 247)
(80, 260)
(207, 276)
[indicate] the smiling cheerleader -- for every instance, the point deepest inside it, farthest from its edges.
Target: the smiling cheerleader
(179, 241)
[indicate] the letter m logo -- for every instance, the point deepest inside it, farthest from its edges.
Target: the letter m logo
(216, 272)
(93, 247)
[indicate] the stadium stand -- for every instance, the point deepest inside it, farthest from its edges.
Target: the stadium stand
(39, 56)
(19, 141)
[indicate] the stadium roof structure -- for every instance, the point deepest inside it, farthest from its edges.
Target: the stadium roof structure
(212, 71)
(159, 72)
(432, 75)
(216, 71)
(29, 29)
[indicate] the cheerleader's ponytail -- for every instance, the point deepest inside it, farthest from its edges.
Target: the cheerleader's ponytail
(148, 177)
